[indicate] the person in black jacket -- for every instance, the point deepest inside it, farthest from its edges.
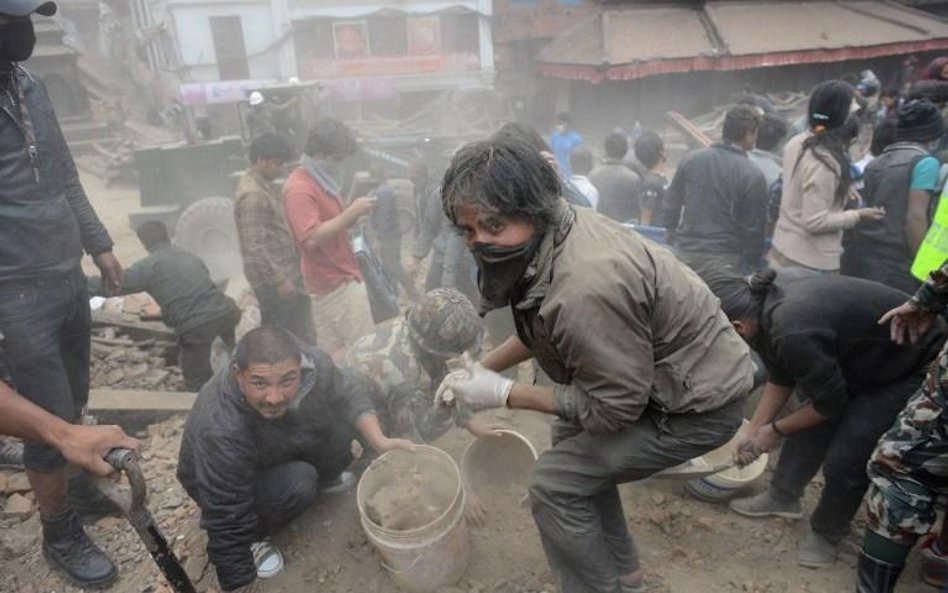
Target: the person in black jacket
(47, 222)
(715, 208)
(264, 437)
(820, 335)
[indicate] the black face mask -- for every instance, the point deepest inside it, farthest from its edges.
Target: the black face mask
(17, 40)
(501, 268)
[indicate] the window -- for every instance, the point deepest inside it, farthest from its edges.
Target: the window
(313, 39)
(459, 33)
(229, 48)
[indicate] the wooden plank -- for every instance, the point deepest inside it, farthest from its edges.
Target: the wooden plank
(693, 134)
(135, 400)
(132, 325)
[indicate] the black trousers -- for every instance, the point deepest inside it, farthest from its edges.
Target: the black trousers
(842, 445)
(46, 324)
(283, 491)
(195, 349)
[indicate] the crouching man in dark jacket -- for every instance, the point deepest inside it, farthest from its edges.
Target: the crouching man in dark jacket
(264, 437)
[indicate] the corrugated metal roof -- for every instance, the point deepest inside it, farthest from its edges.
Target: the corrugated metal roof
(654, 34)
(767, 27)
(630, 42)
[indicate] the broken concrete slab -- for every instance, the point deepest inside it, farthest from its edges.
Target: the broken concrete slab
(17, 483)
(17, 506)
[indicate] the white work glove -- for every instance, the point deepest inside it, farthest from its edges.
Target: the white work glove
(480, 388)
(444, 396)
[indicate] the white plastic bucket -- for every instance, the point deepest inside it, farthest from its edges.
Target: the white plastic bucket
(431, 556)
(725, 484)
(498, 460)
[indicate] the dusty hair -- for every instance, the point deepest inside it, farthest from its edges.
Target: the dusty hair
(330, 137)
(503, 176)
(739, 121)
(265, 345)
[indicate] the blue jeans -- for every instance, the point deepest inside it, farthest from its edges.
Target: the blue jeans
(46, 326)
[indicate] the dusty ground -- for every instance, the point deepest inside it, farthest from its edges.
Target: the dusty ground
(687, 546)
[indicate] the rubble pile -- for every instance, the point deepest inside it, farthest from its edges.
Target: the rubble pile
(118, 362)
(175, 514)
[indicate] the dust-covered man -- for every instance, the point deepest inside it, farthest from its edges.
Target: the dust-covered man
(403, 362)
(266, 436)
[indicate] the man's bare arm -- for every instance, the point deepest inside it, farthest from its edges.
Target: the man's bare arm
(84, 446)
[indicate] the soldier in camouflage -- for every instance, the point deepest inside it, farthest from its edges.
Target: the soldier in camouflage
(909, 468)
(403, 362)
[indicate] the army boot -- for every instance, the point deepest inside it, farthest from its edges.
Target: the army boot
(68, 549)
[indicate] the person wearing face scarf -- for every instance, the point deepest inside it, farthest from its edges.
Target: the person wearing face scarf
(820, 335)
(647, 372)
(320, 221)
(47, 223)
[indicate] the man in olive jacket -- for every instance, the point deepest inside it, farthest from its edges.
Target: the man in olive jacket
(646, 370)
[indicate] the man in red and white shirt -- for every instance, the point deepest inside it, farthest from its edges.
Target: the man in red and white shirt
(319, 222)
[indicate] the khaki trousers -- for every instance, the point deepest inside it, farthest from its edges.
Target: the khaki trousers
(341, 317)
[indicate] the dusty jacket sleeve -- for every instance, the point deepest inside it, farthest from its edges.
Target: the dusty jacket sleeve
(260, 267)
(811, 359)
(430, 225)
(818, 183)
(933, 295)
(603, 334)
(95, 238)
(675, 199)
(224, 469)
(349, 396)
(135, 279)
(752, 218)
(455, 254)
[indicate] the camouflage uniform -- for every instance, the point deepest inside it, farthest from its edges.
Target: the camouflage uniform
(402, 375)
(909, 467)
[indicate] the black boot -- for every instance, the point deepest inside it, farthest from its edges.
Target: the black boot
(87, 500)
(67, 548)
(876, 576)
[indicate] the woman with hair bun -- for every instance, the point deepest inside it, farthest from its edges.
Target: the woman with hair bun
(819, 335)
(817, 184)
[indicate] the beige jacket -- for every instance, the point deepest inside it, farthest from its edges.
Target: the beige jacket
(618, 323)
(810, 227)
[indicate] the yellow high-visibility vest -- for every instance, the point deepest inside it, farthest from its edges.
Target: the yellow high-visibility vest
(933, 251)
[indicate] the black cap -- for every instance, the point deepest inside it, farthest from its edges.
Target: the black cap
(919, 121)
(27, 7)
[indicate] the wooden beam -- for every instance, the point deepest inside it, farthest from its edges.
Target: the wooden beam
(133, 326)
(127, 400)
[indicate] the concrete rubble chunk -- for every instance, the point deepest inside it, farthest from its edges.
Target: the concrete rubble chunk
(17, 506)
(114, 376)
(19, 539)
(17, 483)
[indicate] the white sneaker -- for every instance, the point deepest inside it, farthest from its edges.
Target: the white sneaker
(343, 483)
(267, 558)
